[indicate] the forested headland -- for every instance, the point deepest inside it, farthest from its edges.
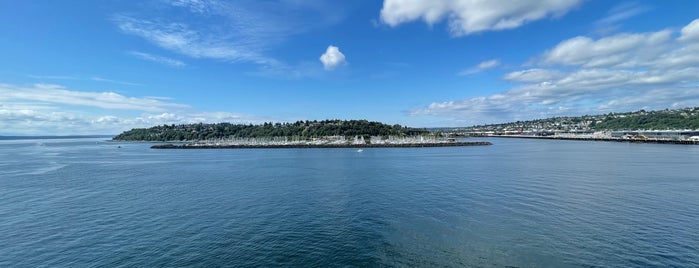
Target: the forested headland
(299, 129)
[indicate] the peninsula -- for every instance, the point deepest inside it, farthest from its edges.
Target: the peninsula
(300, 134)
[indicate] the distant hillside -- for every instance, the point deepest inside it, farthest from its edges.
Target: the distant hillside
(678, 119)
(305, 129)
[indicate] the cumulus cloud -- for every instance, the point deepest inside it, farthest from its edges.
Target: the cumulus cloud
(332, 58)
(472, 16)
(624, 50)
(622, 72)
(690, 33)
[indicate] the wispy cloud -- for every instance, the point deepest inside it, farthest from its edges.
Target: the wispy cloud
(480, 67)
(622, 72)
(48, 93)
(101, 79)
(158, 59)
(93, 78)
(179, 38)
(621, 12)
(468, 17)
(53, 109)
(54, 77)
(44, 122)
(231, 31)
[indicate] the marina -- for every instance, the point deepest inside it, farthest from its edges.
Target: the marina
(357, 142)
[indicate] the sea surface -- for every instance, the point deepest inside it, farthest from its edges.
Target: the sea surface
(517, 203)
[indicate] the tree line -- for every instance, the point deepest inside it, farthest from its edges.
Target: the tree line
(654, 120)
(677, 119)
(302, 129)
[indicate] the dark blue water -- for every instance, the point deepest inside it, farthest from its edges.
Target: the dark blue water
(523, 203)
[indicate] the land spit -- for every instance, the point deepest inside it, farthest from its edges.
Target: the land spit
(348, 145)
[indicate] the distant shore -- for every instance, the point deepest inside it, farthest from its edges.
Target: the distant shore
(357, 146)
(630, 140)
(48, 137)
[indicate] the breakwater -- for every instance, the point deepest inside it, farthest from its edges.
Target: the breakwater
(687, 142)
(282, 146)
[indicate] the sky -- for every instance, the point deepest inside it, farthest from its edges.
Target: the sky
(103, 67)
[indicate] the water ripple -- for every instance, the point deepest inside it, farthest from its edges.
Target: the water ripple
(514, 204)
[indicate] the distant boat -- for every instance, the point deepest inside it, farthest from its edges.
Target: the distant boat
(360, 150)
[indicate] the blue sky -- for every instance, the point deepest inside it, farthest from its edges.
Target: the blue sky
(102, 67)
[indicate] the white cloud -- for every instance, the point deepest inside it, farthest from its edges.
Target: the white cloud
(690, 33)
(159, 59)
(54, 77)
(179, 38)
(625, 50)
(231, 31)
(102, 79)
(51, 109)
(94, 78)
(48, 93)
(533, 75)
(332, 58)
(622, 12)
(149, 120)
(480, 67)
(197, 6)
(622, 72)
(488, 64)
(42, 122)
(472, 16)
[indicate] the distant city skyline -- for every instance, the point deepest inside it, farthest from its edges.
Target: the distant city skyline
(103, 67)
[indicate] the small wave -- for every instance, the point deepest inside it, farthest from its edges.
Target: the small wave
(43, 170)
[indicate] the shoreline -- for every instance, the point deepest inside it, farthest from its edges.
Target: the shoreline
(681, 142)
(301, 146)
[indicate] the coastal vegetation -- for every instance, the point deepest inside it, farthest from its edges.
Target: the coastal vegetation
(655, 120)
(677, 119)
(297, 130)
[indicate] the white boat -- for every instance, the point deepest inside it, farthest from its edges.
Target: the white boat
(360, 150)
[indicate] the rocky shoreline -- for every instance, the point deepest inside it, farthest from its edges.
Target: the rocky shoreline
(356, 146)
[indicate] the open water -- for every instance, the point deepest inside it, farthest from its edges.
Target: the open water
(518, 203)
